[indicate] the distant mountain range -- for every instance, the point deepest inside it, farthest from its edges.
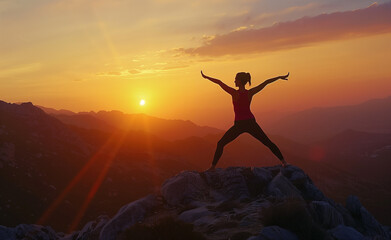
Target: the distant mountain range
(110, 120)
(320, 123)
(365, 154)
(308, 126)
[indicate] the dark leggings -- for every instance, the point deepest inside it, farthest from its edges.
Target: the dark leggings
(250, 126)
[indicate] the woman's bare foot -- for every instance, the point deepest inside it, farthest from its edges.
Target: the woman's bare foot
(284, 163)
(212, 168)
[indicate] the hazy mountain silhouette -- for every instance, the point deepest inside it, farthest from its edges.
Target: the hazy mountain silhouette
(110, 120)
(85, 120)
(365, 154)
(320, 123)
(166, 129)
(38, 156)
(55, 111)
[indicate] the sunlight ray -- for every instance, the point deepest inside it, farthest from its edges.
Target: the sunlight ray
(54, 205)
(151, 151)
(113, 148)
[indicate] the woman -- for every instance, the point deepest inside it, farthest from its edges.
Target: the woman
(244, 119)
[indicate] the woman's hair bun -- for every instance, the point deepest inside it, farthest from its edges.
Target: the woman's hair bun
(244, 77)
(249, 78)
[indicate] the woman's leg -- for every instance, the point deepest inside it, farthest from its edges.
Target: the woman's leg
(228, 137)
(256, 131)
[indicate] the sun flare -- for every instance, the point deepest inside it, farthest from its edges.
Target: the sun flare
(142, 102)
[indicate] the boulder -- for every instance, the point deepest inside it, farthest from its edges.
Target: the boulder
(90, 231)
(33, 232)
(230, 183)
(184, 188)
(281, 187)
(311, 192)
(342, 232)
(263, 175)
(275, 233)
(326, 215)
(249, 220)
(298, 178)
(303, 183)
(347, 217)
(192, 215)
(370, 226)
(234, 184)
(353, 204)
(7, 233)
(127, 216)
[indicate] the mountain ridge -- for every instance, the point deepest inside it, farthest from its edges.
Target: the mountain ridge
(169, 129)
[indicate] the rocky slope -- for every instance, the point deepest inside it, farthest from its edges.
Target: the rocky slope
(232, 203)
(33, 147)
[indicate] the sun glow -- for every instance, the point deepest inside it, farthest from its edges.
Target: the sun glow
(142, 102)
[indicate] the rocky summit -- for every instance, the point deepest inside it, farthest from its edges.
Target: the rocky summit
(233, 203)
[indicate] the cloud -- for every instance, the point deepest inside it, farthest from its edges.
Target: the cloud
(375, 19)
(20, 69)
(133, 71)
(158, 67)
(175, 66)
(115, 73)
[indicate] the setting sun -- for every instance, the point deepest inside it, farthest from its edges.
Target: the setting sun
(142, 102)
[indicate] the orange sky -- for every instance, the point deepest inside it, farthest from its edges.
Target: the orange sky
(103, 55)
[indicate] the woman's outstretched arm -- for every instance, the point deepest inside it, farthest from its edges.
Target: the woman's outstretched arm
(220, 83)
(258, 88)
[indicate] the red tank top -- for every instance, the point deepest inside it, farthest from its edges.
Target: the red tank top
(241, 102)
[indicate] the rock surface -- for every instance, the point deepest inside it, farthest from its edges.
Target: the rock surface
(275, 233)
(127, 216)
(326, 215)
(233, 203)
(346, 233)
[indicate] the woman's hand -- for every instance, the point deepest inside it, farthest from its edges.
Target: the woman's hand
(204, 76)
(284, 77)
(219, 82)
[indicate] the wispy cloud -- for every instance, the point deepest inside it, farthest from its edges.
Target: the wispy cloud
(375, 19)
(154, 68)
(20, 69)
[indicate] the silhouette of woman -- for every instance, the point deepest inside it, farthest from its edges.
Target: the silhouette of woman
(244, 119)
